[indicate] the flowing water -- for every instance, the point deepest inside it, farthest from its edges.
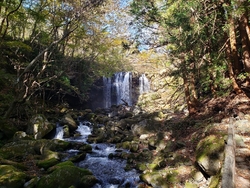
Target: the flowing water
(118, 89)
(144, 84)
(109, 171)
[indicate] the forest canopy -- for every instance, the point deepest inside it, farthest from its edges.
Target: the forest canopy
(208, 43)
(56, 48)
(50, 49)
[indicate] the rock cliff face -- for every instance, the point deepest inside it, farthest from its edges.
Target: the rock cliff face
(121, 88)
(148, 91)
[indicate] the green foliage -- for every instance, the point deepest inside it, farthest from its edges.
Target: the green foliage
(18, 45)
(193, 39)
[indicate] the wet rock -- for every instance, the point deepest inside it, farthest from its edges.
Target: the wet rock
(77, 158)
(66, 131)
(68, 120)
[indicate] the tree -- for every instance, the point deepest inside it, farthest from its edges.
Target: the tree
(202, 39)
(63, 46)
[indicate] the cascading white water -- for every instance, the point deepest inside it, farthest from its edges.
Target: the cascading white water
(144, 84)
(117, 85)
(107, 92)
(125, 90)
(117, 89)
(109, 172)
(84, 128)
(84, 131)
(59, 132)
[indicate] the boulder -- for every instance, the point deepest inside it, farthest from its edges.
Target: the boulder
(68, 120)
(34, 147)
(66, 176)
(21, 135)
(210, 153)
(11, 177)
(39, 126)
(160, 178)
(47, 163)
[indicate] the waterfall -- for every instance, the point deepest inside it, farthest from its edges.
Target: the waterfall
(107, 92)
(124, 88)
(59, 132)
(144, 84)
(117, 89)
(84, 129)
(117, 85)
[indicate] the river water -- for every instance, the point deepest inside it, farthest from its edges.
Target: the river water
(109, 171)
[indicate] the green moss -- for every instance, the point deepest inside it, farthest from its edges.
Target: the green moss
(67, 176)
(211, 146)
(11, 177)
(47, 163)
(161, 178)
(190, 185)
(59, 165)
(215, 181)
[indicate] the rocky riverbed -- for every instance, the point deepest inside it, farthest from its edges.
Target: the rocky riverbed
(167, 149)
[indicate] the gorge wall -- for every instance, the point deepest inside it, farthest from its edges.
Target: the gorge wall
(151, 91)
(121, 88)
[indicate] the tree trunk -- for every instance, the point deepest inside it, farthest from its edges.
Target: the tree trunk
(235, 85)
(190, 102)
(245, 43)
(233, 52)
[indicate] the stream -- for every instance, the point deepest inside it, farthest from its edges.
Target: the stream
(109, 171)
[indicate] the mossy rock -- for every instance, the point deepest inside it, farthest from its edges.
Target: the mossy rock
(210, 154)
(31, 183)
(86, 148)
(13, 163)
(48, 154)
(77, 158)
(90, 117)
(59, 165)
(67, 176)
(68, 120)
(47, 163)
(101, 119)
(11, 177)
(124, 145)
(215, 181)
(161, 179)
(190, 185)
(17, 149)
(20, 135)
(54, 145)
(23, 148)
(39, 126)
